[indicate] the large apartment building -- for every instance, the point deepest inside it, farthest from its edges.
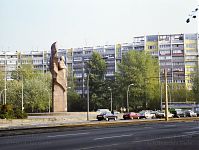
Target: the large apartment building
(9, 61)
(178, 53)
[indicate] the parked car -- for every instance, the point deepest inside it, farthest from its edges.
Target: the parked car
(161, 114)
(106, 116)
(99, 111)
(196, 110)
(178, 113)
(131, 115)
(190, 113)
(116, 112)
(146, 114)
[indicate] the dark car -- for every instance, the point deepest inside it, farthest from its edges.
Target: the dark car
(161, 114)
(131, 115)
(106, 116)
(178, 113)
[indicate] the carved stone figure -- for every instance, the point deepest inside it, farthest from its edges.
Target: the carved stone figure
(59, 81)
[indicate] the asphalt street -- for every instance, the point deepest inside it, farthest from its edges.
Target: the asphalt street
(164, 136)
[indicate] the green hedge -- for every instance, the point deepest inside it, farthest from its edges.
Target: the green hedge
(9, 112)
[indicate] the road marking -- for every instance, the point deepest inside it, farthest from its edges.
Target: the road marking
(195, 128)
(61, 135)
(111, 137)
(170, 125)
(138, 141)
(192, 132)
(148, 127)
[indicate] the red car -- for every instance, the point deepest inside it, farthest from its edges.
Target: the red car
(131, 115)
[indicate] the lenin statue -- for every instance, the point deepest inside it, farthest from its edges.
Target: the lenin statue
(59, 81)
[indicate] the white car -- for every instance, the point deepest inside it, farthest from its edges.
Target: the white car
(146, 114)
(190, 113)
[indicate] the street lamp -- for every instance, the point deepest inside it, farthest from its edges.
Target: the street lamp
(1, 93)
(169, 93)
(22, 108)
(161, 96)
(127, 95)
(48, 100)
(5, 85)
(192, 15)
(111, 99)
(88, 74)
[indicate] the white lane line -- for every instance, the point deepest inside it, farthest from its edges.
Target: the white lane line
(192, 132)
(195, 128)
(111, 137)
(61, 135)
(138, 141)
(170, 125)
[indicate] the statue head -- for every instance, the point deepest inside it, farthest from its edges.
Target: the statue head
(54, 49)
(62, 58)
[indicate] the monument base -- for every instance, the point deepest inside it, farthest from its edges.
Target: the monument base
(59, 99)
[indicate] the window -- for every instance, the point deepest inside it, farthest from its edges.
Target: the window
(190, 57)
(152, 38)
(190, 36)
(177, 51)
(152, 47)
(165, 52)
(192, 45)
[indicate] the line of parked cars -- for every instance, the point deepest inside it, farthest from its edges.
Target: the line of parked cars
(105, 114)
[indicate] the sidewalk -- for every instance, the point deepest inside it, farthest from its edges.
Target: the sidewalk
(48, 120)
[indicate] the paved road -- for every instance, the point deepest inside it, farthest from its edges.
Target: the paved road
(164, 136)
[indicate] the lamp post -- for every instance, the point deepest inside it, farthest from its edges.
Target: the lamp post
(161, 96)
(111, 99)
(127, 97)
(169, 94)
(48, 100)
(88, 74)
(5, 84)
(193, 15)
(1, 93)
(22, 108)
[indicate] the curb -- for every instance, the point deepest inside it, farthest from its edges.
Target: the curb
(11, 131)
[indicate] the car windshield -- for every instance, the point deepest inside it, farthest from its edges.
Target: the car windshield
(142, 112)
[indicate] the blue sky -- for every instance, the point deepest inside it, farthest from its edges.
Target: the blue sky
(35, 24)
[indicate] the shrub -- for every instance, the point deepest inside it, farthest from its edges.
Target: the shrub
(8, 112)
(19, 114)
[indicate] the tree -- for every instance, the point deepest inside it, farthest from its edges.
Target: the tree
(2, 77)
(74, 102)
(195, 87)
(142, 70)
(36, 89)
(96, 68)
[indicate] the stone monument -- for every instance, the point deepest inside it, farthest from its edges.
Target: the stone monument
(59, 81)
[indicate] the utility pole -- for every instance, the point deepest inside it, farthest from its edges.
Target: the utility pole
(5, 84)
(22, 108)
(166, 96)
(111, 99)
(88, 95)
